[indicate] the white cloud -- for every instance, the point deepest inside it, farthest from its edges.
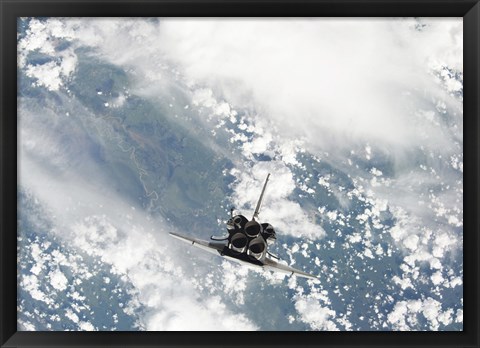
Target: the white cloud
(312, 313)
(211, 315)
(299, 73)
(411, 242)
(87, 215)
(26, 326)
(437, 278)
(306, 79)
(446, 317)
(459, 317)
(171, 299)
(58, 280)
(71, 315)
(404, 314)
(234, 281)
(43, 37)
(404, 283)
(31, 285)
(286, 216)
(86, 326)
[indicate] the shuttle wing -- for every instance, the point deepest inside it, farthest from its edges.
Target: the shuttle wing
(216, 248)
(273, 265)
(212, 247)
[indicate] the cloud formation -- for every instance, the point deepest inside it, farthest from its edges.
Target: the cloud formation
(319, 78)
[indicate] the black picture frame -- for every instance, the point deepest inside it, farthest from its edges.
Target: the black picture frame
(11, 9)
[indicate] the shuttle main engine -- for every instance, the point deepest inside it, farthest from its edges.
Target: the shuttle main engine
(253, 229)
(239, 242)
(257, 248)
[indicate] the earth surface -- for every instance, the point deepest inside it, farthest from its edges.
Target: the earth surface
(132, 128)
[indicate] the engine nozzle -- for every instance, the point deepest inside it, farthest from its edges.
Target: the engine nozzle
(257, 248)
(253, 229)
(238, 242)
